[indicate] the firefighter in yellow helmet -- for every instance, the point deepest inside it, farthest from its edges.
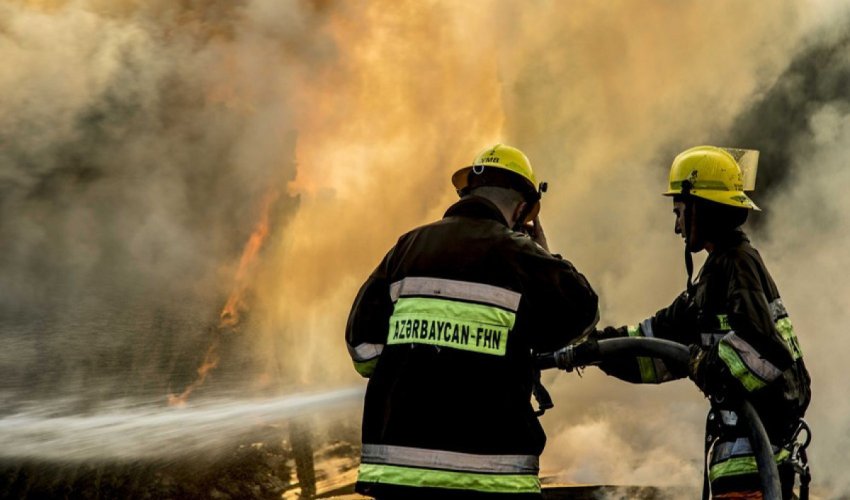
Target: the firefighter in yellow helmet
(445, 328)
(742, 342)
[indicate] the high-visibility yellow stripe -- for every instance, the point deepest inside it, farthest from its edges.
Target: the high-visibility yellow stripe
(647, 370)
(450, 323)
(366, 368)
(741, 465)
(646, 365)
(702, 184)
(786, 330)
(416, 477)
(478, 313)
(730, 356)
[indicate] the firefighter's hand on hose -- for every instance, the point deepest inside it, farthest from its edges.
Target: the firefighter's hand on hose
(577, 355)
(587, 352)
(609, 332)
(711, 375)
(697, 368)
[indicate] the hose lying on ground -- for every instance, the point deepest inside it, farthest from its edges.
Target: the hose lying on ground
(678, 354)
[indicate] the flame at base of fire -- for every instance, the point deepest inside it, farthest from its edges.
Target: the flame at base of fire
(211, 359)
(231, 313)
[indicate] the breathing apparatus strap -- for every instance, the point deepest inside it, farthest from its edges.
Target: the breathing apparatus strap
(686, 216)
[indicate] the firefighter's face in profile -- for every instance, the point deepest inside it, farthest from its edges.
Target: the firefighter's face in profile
(679, 212)
(695, 241)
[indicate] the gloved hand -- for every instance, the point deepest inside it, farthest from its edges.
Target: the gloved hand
(609, 332)
(696, 370)
(586, 352)
(579, 354)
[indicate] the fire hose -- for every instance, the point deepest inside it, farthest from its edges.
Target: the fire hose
(674, 353)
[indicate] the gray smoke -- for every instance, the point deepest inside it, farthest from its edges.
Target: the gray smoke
(135, 145)
(777, 122)
(809, 236)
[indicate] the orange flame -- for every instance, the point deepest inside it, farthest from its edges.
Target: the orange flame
(235, 304)
(210, 361)
(234, 307)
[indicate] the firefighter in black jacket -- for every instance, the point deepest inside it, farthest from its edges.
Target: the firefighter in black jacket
(742, 342)
(445, 328)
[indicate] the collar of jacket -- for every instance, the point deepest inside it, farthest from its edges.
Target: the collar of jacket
(731, 239)
(476, 207)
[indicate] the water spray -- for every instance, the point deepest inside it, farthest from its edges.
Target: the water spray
(122, 431)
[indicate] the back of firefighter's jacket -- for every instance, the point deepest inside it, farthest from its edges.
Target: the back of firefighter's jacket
(445, 328)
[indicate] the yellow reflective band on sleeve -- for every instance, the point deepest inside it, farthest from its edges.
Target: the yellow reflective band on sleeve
(416, 477)
(786, 329)
(741, 465)
(647, 370)
(449, 323)
(730, 356)
(723, 323)
(646, 365)
(366, 368)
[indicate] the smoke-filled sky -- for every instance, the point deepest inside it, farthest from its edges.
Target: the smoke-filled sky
(139, 140)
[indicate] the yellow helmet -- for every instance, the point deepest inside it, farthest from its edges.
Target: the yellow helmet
(499, 156)
(713, 174)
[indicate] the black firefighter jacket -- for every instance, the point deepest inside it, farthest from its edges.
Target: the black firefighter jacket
(736, 313)
(445, 328)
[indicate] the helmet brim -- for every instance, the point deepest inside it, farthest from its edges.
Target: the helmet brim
(460, 179)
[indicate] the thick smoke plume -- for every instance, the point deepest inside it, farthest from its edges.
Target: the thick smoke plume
(136, 145)
(138, 140)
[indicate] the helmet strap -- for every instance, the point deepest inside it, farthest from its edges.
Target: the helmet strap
(686, 215)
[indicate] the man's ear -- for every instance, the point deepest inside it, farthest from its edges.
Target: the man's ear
(518, 211)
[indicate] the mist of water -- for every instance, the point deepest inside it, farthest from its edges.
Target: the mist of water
(130, 431)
